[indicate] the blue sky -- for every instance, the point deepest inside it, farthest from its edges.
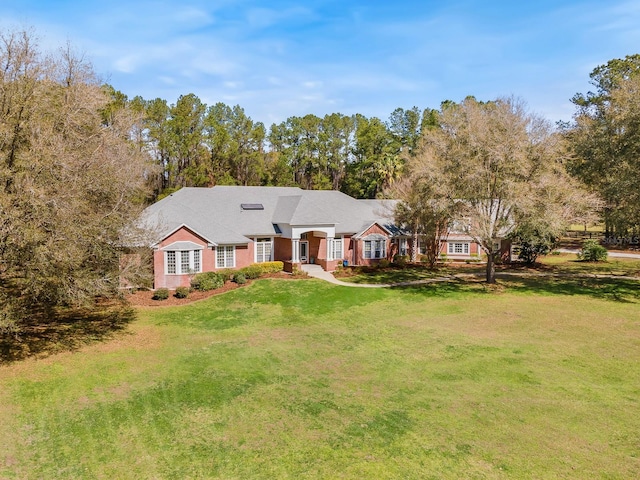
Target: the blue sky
(281, 58)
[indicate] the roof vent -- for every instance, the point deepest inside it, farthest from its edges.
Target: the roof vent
(252, 206)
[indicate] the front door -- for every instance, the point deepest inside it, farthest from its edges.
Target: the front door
(304, 252)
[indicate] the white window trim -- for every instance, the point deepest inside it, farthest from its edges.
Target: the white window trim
(233, 261)
(255, 250)
(178, 262)
(372, 250)
(403, 247)
(451, 250)
(338, 241)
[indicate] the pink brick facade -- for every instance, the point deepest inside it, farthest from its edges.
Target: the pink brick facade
(243, 255)
(363, 248)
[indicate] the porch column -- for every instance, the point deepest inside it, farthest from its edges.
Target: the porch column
(329, 248)
(295, 251)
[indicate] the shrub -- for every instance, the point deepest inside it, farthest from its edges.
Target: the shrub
(271, 267)
(207, 281)
(384, 263)
(226, 274)
(161, 294)
(592, 251)
(252, 271)
(181, 292)
(532, 242)
(401, 260)
(239, 278)
(444, 258)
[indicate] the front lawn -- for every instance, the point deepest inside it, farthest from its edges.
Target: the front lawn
(535, 378)
(562, 264)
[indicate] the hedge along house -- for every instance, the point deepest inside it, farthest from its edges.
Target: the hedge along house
(209, 229)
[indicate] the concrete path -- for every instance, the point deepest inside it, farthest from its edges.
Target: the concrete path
(316, 271)
(610, 253)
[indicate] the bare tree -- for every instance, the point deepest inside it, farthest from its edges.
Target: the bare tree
(426, 205)
(69, 183)
(504, 167)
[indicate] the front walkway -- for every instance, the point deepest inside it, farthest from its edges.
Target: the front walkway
(609, 253)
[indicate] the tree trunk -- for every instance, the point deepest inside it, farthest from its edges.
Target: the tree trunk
(414, 246)
(491, 269)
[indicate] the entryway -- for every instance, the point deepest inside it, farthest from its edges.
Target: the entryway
(304, 252)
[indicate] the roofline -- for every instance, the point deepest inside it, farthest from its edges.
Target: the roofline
(359, 234)
(184, 225)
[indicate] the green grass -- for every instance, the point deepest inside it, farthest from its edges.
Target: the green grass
(535, 378)
(568, 263)
(563, 264)
(410, 273)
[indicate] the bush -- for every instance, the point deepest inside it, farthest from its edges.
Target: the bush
(252, 271)
(268, 267)
(207, 281)
(401, 260)
(239, 278)
(181, 292)
(592, 251)
(384, 263)
(226, 274)
(161, 294)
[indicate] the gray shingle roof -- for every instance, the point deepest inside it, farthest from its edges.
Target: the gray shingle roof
(216, 213)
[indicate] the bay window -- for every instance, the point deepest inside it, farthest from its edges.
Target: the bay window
(375, 249)
(182, 262)
(458, 248)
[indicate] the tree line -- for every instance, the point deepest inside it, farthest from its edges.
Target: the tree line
(192, 144)
(195, 145)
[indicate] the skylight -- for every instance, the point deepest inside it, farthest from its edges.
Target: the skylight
(252, 206)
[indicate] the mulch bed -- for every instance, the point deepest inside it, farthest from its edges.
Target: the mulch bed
(143, 298)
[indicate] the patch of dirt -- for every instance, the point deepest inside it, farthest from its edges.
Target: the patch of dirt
(143, 298)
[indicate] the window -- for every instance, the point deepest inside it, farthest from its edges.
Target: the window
(197, 264)
(402, 246)
(375, 248)
(336, 250)
(263, 250)
(458, 248)
(171, 263)
(182, 262)
(225, 256)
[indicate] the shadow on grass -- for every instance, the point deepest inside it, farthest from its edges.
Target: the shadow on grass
(42, 335)
(613, 289)
(410, 273)
(618, 290)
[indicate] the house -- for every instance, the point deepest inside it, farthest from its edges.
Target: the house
(209, 229)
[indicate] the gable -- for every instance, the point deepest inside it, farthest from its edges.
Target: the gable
(374, 229)
(183, 235)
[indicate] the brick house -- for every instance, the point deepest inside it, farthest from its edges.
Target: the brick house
(209, 229)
